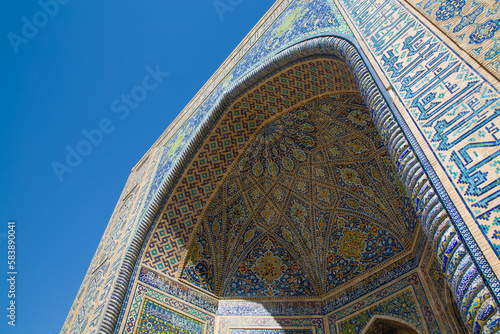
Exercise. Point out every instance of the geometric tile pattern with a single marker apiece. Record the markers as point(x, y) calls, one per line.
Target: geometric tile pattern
point(473, 25)
point(298, 20)
point(270, 331)
point(310, 204)
point(283, 90)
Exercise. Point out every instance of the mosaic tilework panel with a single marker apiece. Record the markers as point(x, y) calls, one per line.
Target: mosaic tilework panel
point(178, 290)
point(269, 308)
point(88, 308)
point(454, 108)
point(312, 324)
point(472, 24)
point(137, 317)
point(402, 306)
point(398, 299)
point(300, 82)
point(199, 269)
point(300, 20)
point(378, 279)
point(312, 199)
point(155, 318)
point(269, 270)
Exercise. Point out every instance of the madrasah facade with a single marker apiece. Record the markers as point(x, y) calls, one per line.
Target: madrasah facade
point(339, 173)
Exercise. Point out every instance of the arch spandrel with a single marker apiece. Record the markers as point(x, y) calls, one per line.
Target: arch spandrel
point(290, 87)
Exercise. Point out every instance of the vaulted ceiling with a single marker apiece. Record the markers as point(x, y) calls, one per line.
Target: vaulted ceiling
point(291, 194)
point(311, 203)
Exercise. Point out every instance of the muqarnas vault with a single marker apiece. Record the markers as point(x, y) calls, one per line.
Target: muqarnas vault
point(339, 173)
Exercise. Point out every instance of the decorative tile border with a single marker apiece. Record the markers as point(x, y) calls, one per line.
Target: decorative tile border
point(156, 318)
point(227, 324)
point(271, 331)
point(264, 308)
point(165, 304)
point(178, 290)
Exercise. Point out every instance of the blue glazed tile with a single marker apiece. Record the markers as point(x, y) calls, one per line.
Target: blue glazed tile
point(493, 324)
point(450, 249)
point(443, 243)
point(465, 282)
point(486, 310)
point(455, 262)
point(394, 55)
point(476, 305)
point(473, 290)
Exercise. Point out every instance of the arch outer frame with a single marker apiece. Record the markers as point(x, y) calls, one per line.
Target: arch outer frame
point(386, 317)
point(453, 244)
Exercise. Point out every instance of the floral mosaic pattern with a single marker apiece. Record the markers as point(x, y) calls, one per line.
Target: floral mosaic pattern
point(199, 268)
point(355, 247)
point(312, 203)
point(471, 24)
point(269, 270)
point(198, 183)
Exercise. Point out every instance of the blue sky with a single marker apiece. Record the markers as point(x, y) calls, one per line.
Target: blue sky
point(59, 80)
